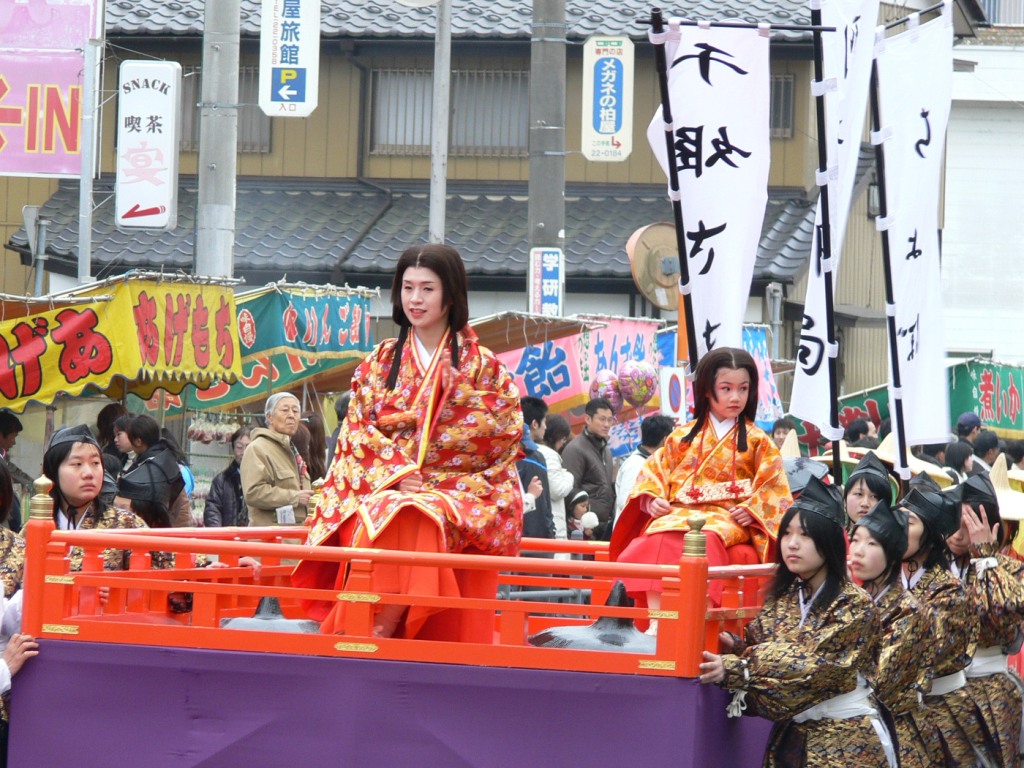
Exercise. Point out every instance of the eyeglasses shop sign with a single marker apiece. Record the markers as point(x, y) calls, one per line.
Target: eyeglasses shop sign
point(148, 129)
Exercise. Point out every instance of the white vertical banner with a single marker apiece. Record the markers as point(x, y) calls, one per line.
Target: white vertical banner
point(719, 88)
point(847, 55)
point(915, 76)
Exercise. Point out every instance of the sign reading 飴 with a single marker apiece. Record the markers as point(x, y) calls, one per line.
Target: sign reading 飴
point(148, 124)
point(289, 57)
point(607, 130)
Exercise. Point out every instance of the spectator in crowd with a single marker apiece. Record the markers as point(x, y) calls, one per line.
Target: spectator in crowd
point(225, 503)
point(301, 440)
point(579, 518)
point(1015, 454)
point(780, 429)
point(968, 426)
point(149, 444)
point(318, 458)
point(934, 453)
point(959, 460)
point(123, 443)
point(275, 491)
point(341, 411)
point(589, 459)
point(654, 430)
point(862, 433)
point(12, 546)
point(105, 430)
point(533, 472)
point(10, 428)
point(560, 479)
point(884, 428)
point(986, 451)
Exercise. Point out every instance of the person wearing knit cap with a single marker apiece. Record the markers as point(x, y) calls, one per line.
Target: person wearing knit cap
point(868, 484)
point(995, 589)
point(876, 555)
point(931, 519)
point(808, 653)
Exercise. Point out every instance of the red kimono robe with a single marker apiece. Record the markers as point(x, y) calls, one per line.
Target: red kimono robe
point(462, 438)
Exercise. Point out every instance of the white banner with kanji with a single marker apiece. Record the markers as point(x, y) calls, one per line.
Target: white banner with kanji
point(915, 74)
point(847, 56)
point(719, 90)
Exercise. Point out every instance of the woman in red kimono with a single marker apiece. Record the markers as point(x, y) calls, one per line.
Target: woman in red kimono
point(721, 466)
point(426, 457)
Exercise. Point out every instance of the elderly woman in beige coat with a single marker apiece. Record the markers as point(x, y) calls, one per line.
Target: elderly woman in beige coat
point(275, 481)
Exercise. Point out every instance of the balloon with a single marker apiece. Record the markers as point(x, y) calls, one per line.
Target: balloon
point(606, 385)
point(638, 381)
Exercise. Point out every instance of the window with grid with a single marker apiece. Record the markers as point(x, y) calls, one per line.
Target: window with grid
point(781, 115)
point(489, 112)
point(253, 124)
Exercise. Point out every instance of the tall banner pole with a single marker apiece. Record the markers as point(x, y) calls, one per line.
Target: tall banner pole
point(687, 338)
point(824, 255)
point(883, 213)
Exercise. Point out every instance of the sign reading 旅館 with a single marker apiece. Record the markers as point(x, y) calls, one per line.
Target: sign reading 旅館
point(289, 57)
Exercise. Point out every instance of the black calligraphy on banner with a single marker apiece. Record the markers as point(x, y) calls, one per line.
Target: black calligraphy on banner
point(851, 32)
point(709, 334)
point(812, 349)
point(920, 144)
point(914, 251)
point(912, 333)
point(698, 238)
point(705, 59)
point(689, 149)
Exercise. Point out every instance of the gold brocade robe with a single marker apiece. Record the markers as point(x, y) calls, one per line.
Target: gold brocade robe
point(901, 676)
point(792, 668)
point(997, 603)
point(463, 440)
point(710, 476)
point(951, 645)
point(12, 561)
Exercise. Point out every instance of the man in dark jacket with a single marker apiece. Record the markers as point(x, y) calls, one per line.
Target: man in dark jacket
point(589, 460)
point(533, 473)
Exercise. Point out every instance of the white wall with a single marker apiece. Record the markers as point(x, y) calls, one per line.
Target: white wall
point(983, 240)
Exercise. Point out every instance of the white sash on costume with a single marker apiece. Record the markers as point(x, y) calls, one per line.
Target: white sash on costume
point(947, 684)
point(856, 703)
point(992, 661)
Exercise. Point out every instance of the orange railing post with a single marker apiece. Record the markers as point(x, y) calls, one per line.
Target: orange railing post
point(693, 596)
point(37, 535)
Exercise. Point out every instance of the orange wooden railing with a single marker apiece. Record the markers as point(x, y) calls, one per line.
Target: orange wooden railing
point(68, 605)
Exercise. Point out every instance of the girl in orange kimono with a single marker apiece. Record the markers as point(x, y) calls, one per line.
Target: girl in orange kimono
point(720, 466)
point(426, 457)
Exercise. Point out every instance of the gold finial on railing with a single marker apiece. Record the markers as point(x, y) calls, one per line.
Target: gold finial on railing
point(314, 500)
point(41, 506)
point(694, 542)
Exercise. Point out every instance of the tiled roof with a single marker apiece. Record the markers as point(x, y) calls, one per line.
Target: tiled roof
point(292, 228)
point(510, 19)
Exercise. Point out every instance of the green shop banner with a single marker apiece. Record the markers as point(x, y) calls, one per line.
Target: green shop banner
point(287, 335)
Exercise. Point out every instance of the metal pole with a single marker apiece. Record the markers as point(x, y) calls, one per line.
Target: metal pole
point(92, 57)
point(439, 121)
point(825, 249)
point(546, 196)
point(41, 225)
point(218, 140)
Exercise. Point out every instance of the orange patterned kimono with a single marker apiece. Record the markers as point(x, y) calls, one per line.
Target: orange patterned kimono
point(463, 439)
point(710, 476)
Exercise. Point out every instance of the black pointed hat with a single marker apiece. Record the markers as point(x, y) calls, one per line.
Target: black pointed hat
point(800, 470)
point(886, 525)
point(978, 489)
point(938, 511)
point(79, 434)
point(924, 482)
point(872, 465)
point(824, 500)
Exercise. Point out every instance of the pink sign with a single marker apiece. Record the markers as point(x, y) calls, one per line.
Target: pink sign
point(42, 60)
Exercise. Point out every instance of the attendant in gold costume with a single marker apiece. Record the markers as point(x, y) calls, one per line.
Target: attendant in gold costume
point(12, 546)
point(876, 555)
point(810, 650)
point(932, 517)
point(426, 456)
point(720, 465)
point(995, 591)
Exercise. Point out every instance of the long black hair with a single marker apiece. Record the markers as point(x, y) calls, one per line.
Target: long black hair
point(55, 456)
point(704, 387)
point(830, 542)
point(445, 262)
point(881, 489)
point(933, 544)
point(893, 556)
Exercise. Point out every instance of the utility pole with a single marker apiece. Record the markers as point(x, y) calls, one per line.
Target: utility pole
point(218, 140)
point(439, 122)
point(546, 207)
